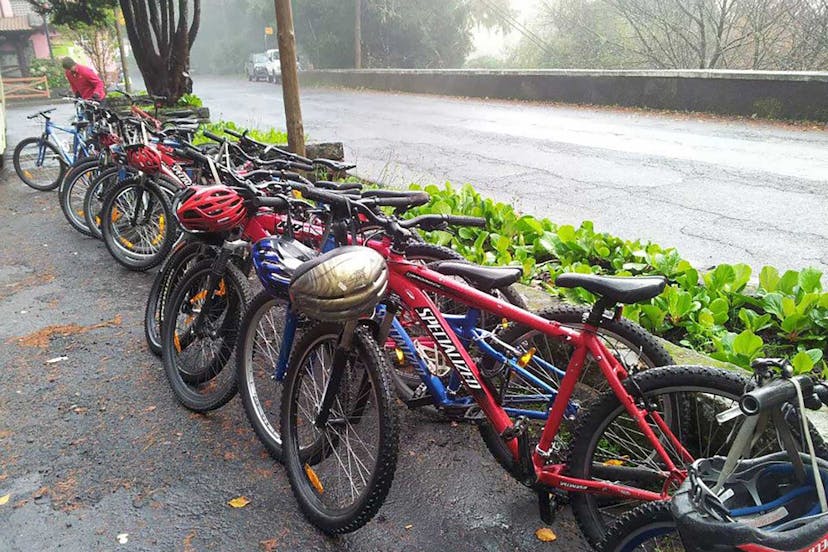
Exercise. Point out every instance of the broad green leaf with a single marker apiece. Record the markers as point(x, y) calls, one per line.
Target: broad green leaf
point(747, 344)
point(768, 278)
point(809, 280)
point(802, 362)
point(772, 303)
point(706, 318)
point(566, 233)
point(788, 282)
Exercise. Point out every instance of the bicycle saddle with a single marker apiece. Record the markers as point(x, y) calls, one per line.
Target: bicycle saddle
point(617, 288)
point(485, 278)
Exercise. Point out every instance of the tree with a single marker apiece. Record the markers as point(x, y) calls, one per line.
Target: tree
point(98, 42)
point(683, 34)
point(161, 33)
point(395, 33)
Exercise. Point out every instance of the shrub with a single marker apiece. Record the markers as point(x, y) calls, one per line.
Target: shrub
point(716, 312)
point(52, 70)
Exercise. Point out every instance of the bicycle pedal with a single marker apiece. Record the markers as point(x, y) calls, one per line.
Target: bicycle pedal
point(419, 402)
point(516, 429)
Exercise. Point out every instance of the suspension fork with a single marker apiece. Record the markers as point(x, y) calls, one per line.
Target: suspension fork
point(217, 272)
point(341, 356)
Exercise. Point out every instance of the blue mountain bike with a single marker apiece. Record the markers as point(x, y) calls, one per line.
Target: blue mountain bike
point(41, 161)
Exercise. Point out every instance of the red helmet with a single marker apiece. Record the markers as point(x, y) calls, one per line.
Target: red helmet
point(144, 158)
point(211, 209)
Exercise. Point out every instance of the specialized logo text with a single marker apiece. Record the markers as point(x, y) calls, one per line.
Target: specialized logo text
point(449, 350)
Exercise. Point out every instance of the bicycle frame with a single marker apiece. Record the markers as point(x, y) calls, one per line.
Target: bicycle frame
point(79, 145)
point(407, 279)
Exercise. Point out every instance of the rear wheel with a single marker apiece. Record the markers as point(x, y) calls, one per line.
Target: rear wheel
point(197, 347)
point(340, 474)
point(39, 164)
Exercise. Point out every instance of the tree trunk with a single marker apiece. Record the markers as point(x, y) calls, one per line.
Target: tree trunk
point(290, 77)
point(121, 50)
point(161, 45)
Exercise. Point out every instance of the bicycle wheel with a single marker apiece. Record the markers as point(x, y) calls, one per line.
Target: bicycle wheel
point(72, 193)
point(93, 199)
point(182, 257)
point(39, 164)
point(631, 344)
point(407, 382)
point(137, 224)
point(339, 474)
point(197, 355)
point(259, 345)
point(608, 445)
point(648, 528)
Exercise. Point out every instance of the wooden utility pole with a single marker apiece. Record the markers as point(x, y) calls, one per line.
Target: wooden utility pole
point(358, 35)
point(121, 50)
point(290, 77)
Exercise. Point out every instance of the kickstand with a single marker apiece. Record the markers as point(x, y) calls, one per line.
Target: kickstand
point(547, 506)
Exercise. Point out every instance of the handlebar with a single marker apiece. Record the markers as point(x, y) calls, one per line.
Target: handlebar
point(439, 222)
point(775, 393)
point(41, 113)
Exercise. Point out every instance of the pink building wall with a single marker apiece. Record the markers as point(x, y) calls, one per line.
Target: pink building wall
point(40, 44)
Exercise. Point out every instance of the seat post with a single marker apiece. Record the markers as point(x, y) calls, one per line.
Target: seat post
point(597, 313)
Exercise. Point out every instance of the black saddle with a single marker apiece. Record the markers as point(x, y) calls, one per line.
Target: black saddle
point(616, 288)
point(485, 278)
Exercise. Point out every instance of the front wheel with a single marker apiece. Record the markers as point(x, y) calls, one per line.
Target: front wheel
point(72, 193)
point(648, 527)
point(39, 164)
point(341, 473)
point(257, 359)
point(610, 446)
point(199, 336)
point(138, 224)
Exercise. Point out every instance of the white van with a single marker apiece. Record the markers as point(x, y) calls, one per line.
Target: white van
point(274, 68)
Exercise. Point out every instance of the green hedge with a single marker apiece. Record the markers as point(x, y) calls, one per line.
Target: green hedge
point(717, 313)
point(267, 136)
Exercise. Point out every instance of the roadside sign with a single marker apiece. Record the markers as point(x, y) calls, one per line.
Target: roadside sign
point(268, 30)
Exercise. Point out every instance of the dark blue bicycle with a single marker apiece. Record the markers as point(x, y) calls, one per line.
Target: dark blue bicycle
point(42, 161)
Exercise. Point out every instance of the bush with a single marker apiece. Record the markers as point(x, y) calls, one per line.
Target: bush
point(269, 136)
point(52, 70)
point(715, 313)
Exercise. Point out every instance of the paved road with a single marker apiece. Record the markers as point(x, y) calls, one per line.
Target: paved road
point(94, 446)
point(719, 191)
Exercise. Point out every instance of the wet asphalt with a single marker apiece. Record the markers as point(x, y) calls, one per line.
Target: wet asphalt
point(718, 189)
point(94, 450)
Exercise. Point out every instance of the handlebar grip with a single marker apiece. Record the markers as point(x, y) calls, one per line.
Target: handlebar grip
point(457, 220)
point(214, 137)
point(774, 394)
point(276, 202)
point(232, 132)
point(315, 194)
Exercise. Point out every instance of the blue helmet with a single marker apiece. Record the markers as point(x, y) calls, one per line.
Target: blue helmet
point(275, 259)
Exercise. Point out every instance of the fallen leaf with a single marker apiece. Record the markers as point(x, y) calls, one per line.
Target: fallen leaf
point(188, 542)
point(123, 538)
point(57, 359)
point(4, 499)
point(41, 492)
point(150, 408)
point(239, 502)
point(409, 526)
point(545, 534)
point(614, 462)
point(270, 545)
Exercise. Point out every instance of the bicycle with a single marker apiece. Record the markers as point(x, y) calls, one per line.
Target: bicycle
point(42, 161)
point(660, 406)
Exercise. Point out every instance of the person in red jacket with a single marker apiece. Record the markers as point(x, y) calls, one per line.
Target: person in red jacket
point(85, 83)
